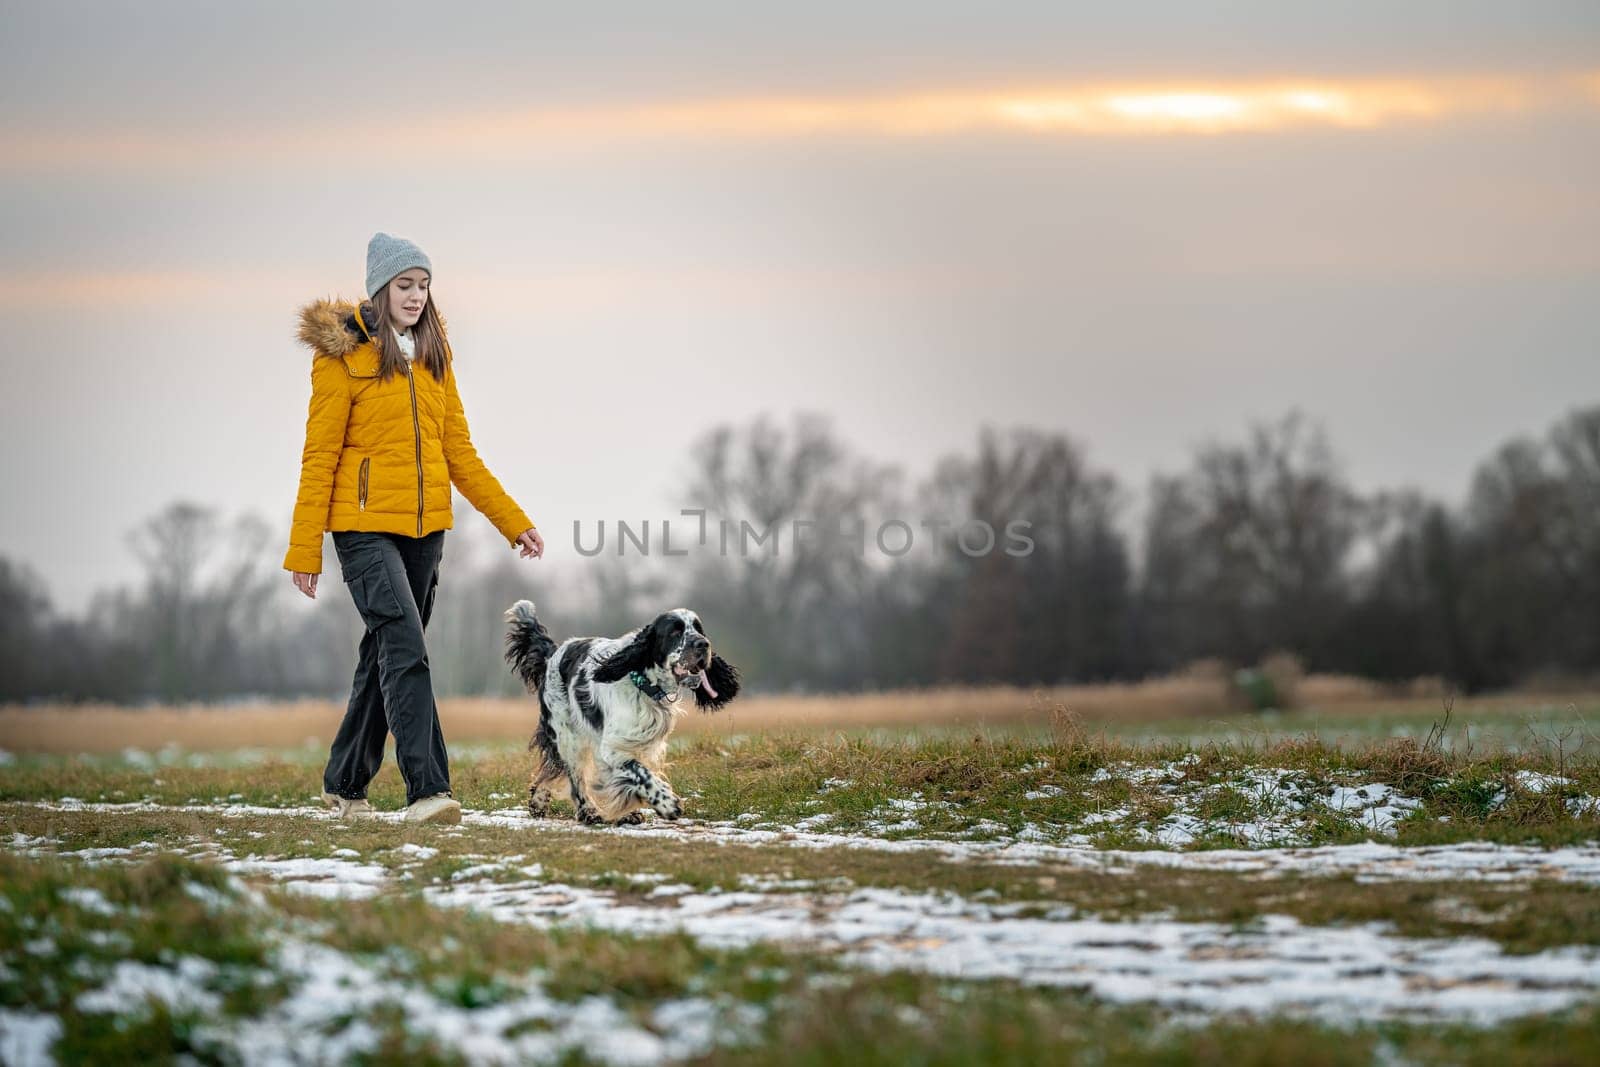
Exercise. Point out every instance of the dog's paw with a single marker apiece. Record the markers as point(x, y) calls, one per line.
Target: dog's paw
point(669, 807)
point(633, 818)
point(539, 804)
point(587, 816)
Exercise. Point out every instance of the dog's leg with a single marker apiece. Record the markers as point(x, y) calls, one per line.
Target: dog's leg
point(586, 813)
point(638, 781)
point(616, 795)
point(548, 766)
point(539, 792)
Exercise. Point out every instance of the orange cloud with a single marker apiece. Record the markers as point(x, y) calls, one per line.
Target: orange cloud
point(1101, 110)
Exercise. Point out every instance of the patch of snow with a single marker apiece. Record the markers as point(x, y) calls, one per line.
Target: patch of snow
point(1534, 782)
point(133, 984)
point(1377, 807)
point(1581, 806)
point(26, 1038)
point(878, 820)
point(477, 870)
point(322, 1019)
point(766, 883)
point(114, 940)
point(100, 855)
point(89, 899)
point(30, 845)
point(1337, 974)
point(213, 898)
point(328, 878)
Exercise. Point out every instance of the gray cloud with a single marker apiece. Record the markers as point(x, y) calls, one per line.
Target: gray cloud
point(1426, 290)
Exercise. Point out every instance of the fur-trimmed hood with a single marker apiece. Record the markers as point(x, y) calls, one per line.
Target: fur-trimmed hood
point(333, 327)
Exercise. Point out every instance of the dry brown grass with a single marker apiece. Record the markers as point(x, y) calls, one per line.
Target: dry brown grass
point(96, 728)
point(1201, 691)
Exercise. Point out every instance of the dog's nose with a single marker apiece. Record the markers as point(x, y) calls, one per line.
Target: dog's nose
point(699, 643)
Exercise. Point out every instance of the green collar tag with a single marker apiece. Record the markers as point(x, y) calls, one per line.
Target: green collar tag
point(649, 688)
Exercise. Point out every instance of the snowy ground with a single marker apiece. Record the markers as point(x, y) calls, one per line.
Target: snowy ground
point(892, 913)
point(1275, 964)
point(1470, 861)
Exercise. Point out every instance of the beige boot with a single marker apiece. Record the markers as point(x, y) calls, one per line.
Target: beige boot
point(440, 807)
point(346, 808)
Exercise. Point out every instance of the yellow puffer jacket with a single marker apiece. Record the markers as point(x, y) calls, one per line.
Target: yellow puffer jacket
point(381, 456)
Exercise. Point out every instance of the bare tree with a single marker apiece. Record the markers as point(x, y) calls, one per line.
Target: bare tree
point(1249, 550)
point(799, 600)
point(1040, 573)
point(24, 617)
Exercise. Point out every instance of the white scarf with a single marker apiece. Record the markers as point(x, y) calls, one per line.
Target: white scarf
point(408, 344)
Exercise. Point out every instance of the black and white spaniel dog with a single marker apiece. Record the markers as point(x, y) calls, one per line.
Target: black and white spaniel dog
point(606, 707)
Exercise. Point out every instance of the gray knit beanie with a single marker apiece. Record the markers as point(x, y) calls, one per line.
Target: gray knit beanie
point(388, 256)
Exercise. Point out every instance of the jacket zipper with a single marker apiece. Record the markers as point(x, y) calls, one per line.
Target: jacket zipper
point(363, 494)
point(416, 428)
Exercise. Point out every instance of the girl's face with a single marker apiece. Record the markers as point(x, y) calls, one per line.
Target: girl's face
point(408, 295)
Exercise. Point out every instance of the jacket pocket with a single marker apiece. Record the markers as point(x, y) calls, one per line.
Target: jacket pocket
point(361, 484)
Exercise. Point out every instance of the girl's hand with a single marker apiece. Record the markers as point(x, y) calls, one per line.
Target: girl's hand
point(306, 583)
point(532, 544)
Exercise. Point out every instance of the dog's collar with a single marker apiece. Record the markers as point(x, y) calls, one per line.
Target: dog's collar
point(651, 689)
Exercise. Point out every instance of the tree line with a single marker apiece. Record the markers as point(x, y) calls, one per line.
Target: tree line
point(1260, 545)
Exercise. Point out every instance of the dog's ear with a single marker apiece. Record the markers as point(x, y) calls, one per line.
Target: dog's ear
point(633, 656)
point(724, 678)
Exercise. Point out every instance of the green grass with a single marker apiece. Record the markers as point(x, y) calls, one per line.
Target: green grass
point(1535, 729)
point(977, 784)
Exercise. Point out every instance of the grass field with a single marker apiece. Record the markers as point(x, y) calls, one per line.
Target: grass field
point(1010, 890)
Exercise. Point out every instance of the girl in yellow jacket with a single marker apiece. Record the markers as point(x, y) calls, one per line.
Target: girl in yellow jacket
point(386, 437)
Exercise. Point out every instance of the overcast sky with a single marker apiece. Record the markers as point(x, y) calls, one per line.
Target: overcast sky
point(1144, 227)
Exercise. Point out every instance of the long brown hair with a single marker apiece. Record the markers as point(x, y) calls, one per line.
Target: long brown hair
point(428, 333)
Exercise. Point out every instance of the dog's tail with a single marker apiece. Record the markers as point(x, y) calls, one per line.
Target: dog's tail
point(528, 644)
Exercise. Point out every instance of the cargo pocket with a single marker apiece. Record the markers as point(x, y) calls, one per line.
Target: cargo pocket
point(374, 595)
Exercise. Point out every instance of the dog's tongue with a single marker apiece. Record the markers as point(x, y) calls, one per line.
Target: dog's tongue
point(705, 683)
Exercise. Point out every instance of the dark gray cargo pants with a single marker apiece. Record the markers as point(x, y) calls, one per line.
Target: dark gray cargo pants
point(392, 578)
